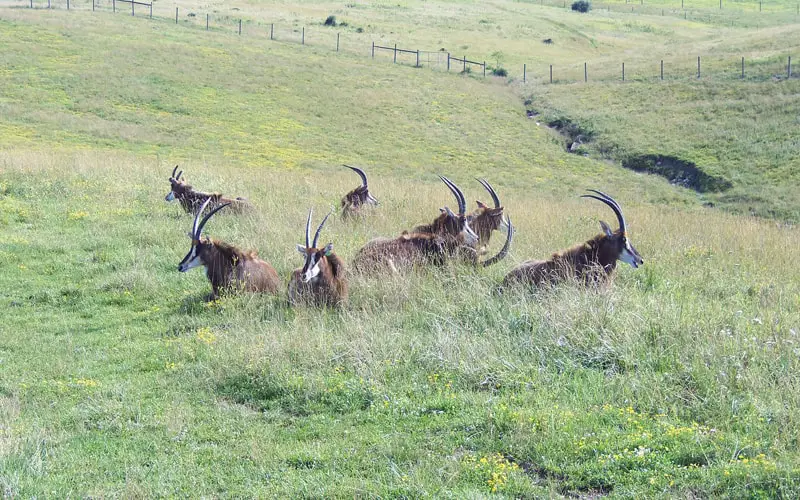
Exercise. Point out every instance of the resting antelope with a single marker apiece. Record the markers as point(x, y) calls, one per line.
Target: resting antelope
point(486, 219)
point(354, 201)
point(590, 262)
point(227, 267)
point(191, 200)
point(449, 236)
point(321, 281)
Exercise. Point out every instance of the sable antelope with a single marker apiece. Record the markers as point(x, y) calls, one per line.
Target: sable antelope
point(227, 267)
point(354, 201)
point(590, 262)
point(449, 225)
point(411, 250)
point(321, 281)
point(191, 200)
point(486, 219)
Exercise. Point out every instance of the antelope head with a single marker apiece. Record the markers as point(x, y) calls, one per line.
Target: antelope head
point(197, 255)
point(177, 185)
point(488, 218)
point(616, 242)
point(312, 254)
point(361, 194)
point(458, 224)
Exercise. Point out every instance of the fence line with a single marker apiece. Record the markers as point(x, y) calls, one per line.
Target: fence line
point(557, 74)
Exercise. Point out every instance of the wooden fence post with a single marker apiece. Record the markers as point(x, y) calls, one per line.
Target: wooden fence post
point(303, 36)
point(206, 20)
point(742, 66)
point(484, 69)
point(551, 73)
point(32, 4)
point(113, 5)
point(585, 73)
point(67, 4)
point(524, 73)
point(698, 66)
point(240, 26)
point(395, 54)
point(337, 42)
point(448, 61)
point(271, 30)
point(48, 4)
point(133, 8)
point(176, 15)
point(92, 5)
point(417, 58)
point(789, 70)
point(465, 63)
point(151, 9)
point(623, 72)
point(662, 69)
point(373, 50)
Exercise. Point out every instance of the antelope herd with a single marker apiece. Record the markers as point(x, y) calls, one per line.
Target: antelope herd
point(451, 237)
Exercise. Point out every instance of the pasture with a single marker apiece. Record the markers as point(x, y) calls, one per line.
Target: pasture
point(117, 379)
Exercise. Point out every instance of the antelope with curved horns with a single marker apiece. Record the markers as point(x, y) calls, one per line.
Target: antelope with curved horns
point(486, 219)
point(354, 201)
point(321, 281)
point(449, 225)
point(191, 200)
point(590, 262)
point(227, 267)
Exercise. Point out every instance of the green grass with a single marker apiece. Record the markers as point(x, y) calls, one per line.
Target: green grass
point(117, 379)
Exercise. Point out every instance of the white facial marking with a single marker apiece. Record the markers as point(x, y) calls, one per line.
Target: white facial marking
point(628, 256)
point(170, 196)
point(311, 273)
point(194, 261)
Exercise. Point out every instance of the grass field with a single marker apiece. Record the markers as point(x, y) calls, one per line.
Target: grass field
point(117, 379)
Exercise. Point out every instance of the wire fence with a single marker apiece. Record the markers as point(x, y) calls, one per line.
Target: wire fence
point(773, 67)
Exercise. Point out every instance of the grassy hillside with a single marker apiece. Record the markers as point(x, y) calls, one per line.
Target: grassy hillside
point(117, 379)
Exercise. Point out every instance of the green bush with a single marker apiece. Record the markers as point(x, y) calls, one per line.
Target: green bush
point(581, 6)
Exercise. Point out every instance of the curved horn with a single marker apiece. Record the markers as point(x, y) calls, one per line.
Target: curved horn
point(611, 203)
point(173, 172)
point(489, 188)
point(360, 174)
point(462, 202)
point(207, 217)
point(308, 228)
point(503, 251)
point(179, 175)
point(319, 229)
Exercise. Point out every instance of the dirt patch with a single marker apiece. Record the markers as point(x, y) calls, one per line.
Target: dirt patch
point(574, 134)
point(679, 172)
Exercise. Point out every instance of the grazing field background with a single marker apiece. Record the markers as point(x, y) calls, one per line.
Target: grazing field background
point(117, 379)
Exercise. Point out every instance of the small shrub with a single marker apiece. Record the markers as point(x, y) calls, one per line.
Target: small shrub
point(499, 72)
point(581, 6)
point(330, 21)
point(359, 30)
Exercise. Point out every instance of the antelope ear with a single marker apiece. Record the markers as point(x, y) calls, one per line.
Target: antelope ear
point(328, 250)
point(606, 229)
point(301, 248)
point(481, 204)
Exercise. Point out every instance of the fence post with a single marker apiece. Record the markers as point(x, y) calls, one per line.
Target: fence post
point(67, 4)
point(373, 50)
point(484, 69)
point(789, 70)
point(240, 26)
point(524, 73)
point(681, 4)
point(742, 66)
point(448, 61)
point(151, 9)
point(176, 15)
point(32, 3)
point(303, 36)
point(465, 63)
point(271, 30)
point(623, 72)
point(113, 5)
point(417, 58)
point(206, 18)
point(551, 73)
point(759, 5)
point(133, 8)
point(93, 5)
point(698, 66)
point(48, 4)
point(720, 4)
point(395, 53)
point(337, 42)
point(585, 73)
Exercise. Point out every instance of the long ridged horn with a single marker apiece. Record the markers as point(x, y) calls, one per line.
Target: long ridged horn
point(319, 229)
point(503, 251)
point(360, 174)
point(611, 203)
point(173, 172)
point(489, 188)
point(179, 175)
point(462, 201)
point(308, 228)
point(199, 227)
